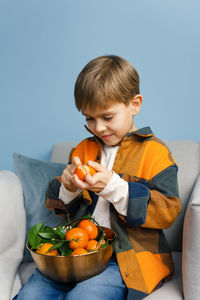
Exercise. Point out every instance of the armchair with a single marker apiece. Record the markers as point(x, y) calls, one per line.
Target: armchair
point(183, 236)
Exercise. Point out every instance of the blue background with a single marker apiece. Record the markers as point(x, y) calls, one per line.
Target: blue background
point(44, 44)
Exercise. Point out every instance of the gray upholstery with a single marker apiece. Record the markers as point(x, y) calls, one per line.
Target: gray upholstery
point(191, 246)
point(187, 156)
point(60, 152)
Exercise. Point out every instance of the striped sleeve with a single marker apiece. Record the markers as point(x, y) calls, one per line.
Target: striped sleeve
point(153, 197)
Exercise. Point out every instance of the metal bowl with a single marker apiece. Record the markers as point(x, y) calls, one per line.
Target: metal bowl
point(72, 269)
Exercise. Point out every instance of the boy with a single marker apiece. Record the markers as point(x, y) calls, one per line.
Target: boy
point(134, 190)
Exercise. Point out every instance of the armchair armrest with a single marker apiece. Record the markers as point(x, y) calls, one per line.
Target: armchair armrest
point(12, 233)
point(191, 246)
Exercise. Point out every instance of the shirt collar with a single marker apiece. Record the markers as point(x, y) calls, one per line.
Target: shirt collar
point(143, 132)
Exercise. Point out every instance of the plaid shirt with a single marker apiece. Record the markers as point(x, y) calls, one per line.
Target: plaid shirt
point(142, 252)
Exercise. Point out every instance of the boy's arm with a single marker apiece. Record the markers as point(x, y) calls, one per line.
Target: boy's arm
point(67, 196)
point(56, 204)
point(164, 205)
point(154, 203)
point(52, 200)
point(57, 196)
point(117, 192)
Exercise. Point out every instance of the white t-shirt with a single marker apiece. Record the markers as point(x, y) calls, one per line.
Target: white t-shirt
point(115, 192)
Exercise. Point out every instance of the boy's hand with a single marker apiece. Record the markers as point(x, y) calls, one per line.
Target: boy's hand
point(95, 183)
point(68, 175)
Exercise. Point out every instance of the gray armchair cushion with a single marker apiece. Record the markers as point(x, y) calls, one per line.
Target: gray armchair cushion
point(191, 247)
point(60, 152)
point(187, 156)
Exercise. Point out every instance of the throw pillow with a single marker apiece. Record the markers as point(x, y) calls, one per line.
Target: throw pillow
point(35, 176)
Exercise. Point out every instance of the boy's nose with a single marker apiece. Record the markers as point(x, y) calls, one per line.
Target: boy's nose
point(99, 126)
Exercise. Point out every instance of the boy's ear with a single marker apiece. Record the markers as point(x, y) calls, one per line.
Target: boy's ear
point(136, 103)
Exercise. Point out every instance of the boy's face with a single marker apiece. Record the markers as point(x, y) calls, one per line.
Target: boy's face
point(113, 123)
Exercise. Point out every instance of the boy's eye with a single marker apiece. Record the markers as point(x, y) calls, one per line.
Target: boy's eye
point(107, 118)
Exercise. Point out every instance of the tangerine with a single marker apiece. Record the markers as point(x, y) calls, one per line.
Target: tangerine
point(82, 170)
point(93, 245)
point(78, 236)
point(90, 227)
point(79, 251)
point(44, 250)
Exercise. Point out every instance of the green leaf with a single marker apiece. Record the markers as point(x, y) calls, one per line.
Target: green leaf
point(33, 238)
point(60, 232)
point(104, 245)
point(57, 245)
point(43, 240)
point(46, 232)
point(65, 252)
point(88, 216)
point(46, 235)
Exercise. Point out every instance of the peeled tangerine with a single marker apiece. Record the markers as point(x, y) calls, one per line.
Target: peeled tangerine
point(82, 170)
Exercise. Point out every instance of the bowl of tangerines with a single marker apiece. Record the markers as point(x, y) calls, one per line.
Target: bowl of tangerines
point(71, 253)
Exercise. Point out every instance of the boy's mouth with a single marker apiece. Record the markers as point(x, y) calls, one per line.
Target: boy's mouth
point(105, 137)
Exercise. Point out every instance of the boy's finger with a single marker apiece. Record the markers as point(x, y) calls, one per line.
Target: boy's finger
point(71, 168)
point(79, 183)
point(93, 179)
point(65, 173)
point(95, 165)
point(77, 161)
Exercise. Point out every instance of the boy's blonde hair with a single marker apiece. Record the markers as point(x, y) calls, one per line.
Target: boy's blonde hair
point(106, 80)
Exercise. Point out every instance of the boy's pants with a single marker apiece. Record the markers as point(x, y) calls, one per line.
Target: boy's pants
point(108, 285)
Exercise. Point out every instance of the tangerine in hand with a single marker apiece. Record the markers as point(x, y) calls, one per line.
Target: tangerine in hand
point(82, 170)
